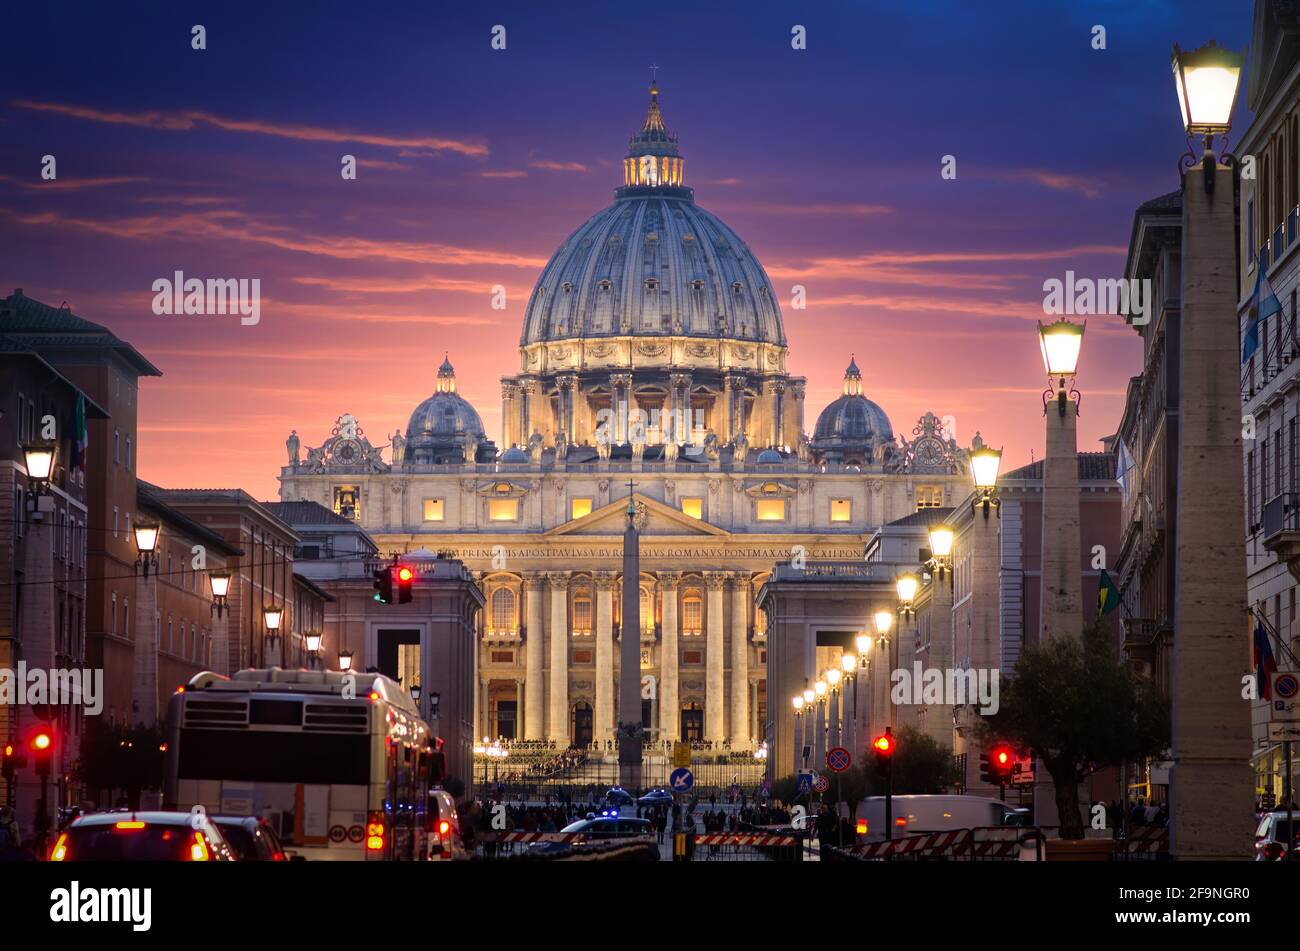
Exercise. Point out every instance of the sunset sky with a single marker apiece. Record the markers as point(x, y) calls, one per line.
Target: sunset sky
point(475, 165)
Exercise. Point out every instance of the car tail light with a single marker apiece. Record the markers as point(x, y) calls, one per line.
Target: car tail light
point(862, 827)
point(444, 827)
point(129, 826)
point(60, 850)
point(375, 832)
point(199, 849)
point(900, 822)
point(1274, 851)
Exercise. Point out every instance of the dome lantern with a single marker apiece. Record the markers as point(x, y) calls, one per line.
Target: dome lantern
point(652, 164)
point(446, 376)
point(852, 378)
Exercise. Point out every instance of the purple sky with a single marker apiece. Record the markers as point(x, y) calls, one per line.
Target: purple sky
point(475, 165)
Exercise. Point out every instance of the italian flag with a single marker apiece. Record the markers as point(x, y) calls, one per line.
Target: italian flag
point(79, 434)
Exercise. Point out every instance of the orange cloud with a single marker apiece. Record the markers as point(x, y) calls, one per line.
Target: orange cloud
point(559, 166)
point(189, 119)
point(76, 184)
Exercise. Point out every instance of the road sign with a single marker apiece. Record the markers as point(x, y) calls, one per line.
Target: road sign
point(805, 781)
point(681, 779)
point(1280, 732)
point(821, 784)
point(681, 754)
point(1286, 697)
point(838, 759)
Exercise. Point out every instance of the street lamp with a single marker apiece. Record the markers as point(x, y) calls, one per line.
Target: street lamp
point(984, 465)
point(820, 688)
point(345, 661)
point(941, 537)
point(809, 696)
point(220, 582)
point(863, 641)
point(907, 585)
point(39, 457)
point(1207, 81)
point(1060, 342)
point(272, 614)
point(848, 664)
point(313, 639)
point(146, 543)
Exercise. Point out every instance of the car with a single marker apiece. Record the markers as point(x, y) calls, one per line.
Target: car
point(598, 829)
point(444, 825)
point(142, 837)
point(618, 796)
point(251, 839)
point(1272, 833)
point(656, 797)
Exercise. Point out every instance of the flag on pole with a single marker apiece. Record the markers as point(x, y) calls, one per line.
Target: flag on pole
point(1123, 466)
point(1107, 594)
point(1265, 664)
point(1264, 304)
point(79, 434)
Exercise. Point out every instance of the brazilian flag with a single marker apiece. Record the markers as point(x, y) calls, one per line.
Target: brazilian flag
point(1107, 594)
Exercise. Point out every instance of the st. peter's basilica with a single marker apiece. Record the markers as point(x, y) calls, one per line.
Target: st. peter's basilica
point(653, 360)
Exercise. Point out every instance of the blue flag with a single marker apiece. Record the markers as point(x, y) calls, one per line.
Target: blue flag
point(1264, 304)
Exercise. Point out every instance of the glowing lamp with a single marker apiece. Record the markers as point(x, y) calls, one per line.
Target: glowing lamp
point(1207, 80)
point(984, 465)
point(1060, 342)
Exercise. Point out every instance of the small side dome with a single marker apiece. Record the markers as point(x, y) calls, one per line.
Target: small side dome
point(443, 425)
point(849, 429)
point(514, 455)
point(769, 457)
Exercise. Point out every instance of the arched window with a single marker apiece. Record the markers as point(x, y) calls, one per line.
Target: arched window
point(692, 613)
point(647, 611)
point(503, 611)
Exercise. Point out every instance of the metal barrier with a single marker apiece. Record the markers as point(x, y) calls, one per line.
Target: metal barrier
point(988, 843)
point(750, 846)
point(1143, 843)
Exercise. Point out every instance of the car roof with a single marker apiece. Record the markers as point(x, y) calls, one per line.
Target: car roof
point(151, 818)
point(238, 820)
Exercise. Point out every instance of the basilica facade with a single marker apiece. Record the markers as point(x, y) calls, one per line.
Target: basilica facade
point(652, 363)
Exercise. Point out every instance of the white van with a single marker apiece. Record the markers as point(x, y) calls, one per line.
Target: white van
point(913, 815)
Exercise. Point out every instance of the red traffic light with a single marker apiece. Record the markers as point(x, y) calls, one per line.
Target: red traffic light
point(883, 743)
point(404, 573)
point(8, 750)
point(42, 741)
point(1002, 757)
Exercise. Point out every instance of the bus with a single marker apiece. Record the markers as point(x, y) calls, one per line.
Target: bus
point(340, 764)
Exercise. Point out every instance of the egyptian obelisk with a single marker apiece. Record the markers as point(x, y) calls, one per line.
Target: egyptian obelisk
point(629, 679)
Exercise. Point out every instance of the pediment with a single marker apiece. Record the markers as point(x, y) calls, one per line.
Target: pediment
point(658, 519)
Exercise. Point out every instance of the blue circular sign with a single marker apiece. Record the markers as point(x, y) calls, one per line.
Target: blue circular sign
point(681, 779)
point(1287, 686)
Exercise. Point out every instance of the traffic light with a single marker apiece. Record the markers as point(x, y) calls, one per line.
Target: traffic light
point(1001, 762)
point(405, 579)
point(42, 746)
point(883, 748)
point(384, 585)
point(10, 761)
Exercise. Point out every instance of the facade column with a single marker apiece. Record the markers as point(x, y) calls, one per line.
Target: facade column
point(534, 708)
point(739, 733)
point(669, 713)
point(603, 722)
point(819, 736)
point(557, 726)
point(714, 649)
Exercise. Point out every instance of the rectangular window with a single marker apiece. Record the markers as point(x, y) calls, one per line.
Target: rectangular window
point(1250, 490)
point(503, 657)
point(433, 510)
point(117, 445)
point(769, 510)
point(692, 657)
point(503, 510)
point(579, 507)
point(582, 656)
point(693, 507)
point(929, 497)
point(841, 510)
point(1263, 471)
point(581, 616)
point(115, 521)
point(128, 453)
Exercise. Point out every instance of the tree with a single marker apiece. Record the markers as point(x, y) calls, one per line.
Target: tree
point(117, 757)
point(921, 764)
point(1078, 708)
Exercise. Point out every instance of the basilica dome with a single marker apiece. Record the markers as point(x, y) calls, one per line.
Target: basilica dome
point(850, 428)
point(653, 263)
point(444, 424)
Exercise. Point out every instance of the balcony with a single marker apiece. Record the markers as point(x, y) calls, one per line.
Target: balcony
point(1278, 245)
point(1263, 256)
point(1291, 225)
point(1141, 637)
point(1281, 529)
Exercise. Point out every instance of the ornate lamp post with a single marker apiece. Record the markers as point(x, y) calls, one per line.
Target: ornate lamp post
point(797, 701)
point(38, 456)
point(1211, 725)
point(820, 690)
point(984, 464)
point(849, 669)
point(147, 531)
point(833, 676)
point(313, 641)
point(345, 661)
point(145, 650)
point(272, 614)
point(941, 537)
point(907, 585)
